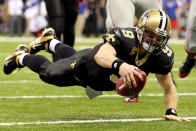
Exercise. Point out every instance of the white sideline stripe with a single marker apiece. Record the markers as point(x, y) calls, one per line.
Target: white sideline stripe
point(86, 121)
point(73, 96)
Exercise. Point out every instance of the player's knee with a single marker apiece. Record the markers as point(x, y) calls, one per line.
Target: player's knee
point(52, 75)
point(55, 74)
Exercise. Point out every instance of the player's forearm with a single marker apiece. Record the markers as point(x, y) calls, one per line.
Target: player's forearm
point(105, 56)
point(171, 95)
point(105, 59)
point(171, 98)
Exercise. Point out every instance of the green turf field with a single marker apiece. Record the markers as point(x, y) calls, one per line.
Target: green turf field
point(27, 103)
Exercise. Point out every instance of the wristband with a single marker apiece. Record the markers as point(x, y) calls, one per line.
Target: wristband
point(171, 111)
point(116, 64)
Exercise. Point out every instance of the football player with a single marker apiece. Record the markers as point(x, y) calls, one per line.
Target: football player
point(124, 50)
point(124, 14)
point(190, 43)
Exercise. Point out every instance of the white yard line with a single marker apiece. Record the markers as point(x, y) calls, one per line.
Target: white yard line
point(86, 121)
point(38, 81)
point(76, 96)
point(19, 81)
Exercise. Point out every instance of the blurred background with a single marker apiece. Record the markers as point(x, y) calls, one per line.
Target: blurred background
point(27, 18)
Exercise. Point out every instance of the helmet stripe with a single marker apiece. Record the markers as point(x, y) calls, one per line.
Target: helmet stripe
point(163, 21)
point(166, 24)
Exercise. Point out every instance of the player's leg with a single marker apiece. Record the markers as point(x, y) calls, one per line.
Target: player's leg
point(60, 50)
point(48, 42)
point(71, 13)
point(58, 73)
point(56, 15)
point(142, 5)
point(120, 13)
point(21, 58)
point(42, 42)
point(190, 44)
point(11, 62)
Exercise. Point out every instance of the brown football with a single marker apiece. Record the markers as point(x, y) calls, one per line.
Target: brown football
point(128, 90)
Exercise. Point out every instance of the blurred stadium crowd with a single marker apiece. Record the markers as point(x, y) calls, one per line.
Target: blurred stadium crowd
point(29, 17)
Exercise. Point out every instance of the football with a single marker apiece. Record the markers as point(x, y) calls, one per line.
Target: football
point(128, 90)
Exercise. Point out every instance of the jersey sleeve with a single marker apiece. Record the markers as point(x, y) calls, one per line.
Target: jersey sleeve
point(114, 38)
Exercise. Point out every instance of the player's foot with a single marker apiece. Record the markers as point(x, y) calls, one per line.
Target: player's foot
point(42, 43)
point(12, 61)
point(186, 67)
point(130, 100)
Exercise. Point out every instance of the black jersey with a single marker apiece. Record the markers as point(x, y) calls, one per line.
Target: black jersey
point(125, 42)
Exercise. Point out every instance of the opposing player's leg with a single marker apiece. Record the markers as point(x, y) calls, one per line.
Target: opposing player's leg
point(190, 44)
point(71, 13)
point(142, 5)
point(186, 67)
point(120, 13)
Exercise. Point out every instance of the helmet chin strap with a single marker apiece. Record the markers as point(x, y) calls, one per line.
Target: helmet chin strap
point(139, 34)
point(141, 61)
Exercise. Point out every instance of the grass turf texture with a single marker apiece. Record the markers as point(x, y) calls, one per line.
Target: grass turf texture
point(27, 83)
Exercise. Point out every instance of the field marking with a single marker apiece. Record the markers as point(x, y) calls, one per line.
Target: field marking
point(38, 81)
point(29, 71)
point(19, 81)
point(86, 121)
point(81, 40)
point(76, 96)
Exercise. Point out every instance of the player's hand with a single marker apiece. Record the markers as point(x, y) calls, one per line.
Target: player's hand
point(128, 72)
point(175, 118)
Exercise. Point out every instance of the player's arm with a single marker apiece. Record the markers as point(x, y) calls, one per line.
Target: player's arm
point(106, 57)
point(171, 97)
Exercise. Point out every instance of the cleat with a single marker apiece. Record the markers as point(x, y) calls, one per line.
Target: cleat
point(22, 48)
point(130, 100)
point(42, 43)
point(12, 61)
point(186, 67)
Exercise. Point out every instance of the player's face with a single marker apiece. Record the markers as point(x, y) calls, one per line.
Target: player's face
point(151, 41)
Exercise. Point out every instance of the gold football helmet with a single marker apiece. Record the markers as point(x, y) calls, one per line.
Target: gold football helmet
point(157, 22)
